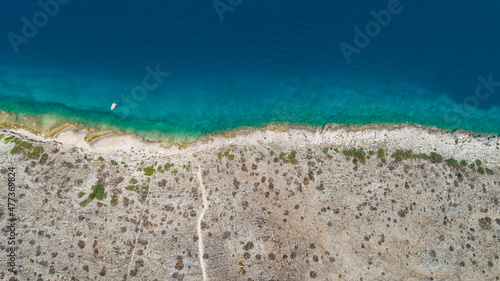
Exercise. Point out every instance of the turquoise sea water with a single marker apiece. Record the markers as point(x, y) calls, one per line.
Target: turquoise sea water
point(263, 63)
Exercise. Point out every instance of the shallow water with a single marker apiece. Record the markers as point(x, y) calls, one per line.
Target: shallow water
point(265, 62)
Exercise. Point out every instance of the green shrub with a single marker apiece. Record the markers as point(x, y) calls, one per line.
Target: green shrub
point(478, 162)
point(463, 163)
point(100, 158)
point(84, 202)
point(436, 157)
point(98, 191)
point(358, 153)
point(148, 171)
point(113, 162)
point(424, 156)
point(453, 162)
point(402, 155)
point(381, 153)
point(168, 166)
point(480, 170)
point(133, 181)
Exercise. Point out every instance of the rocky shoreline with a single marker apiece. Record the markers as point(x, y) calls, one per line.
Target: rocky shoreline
point(281, 203)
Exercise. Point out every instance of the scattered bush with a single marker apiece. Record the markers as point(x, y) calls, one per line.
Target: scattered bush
point(381, 153)
point(360, 154)
point(168, 166)
point(148, 171)
point(453, 162)
point(402, 155)
point(436, 157)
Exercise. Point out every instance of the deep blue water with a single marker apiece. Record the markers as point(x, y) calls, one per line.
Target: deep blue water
point(266, 61)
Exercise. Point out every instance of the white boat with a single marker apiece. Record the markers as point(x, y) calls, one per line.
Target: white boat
point(113, 106)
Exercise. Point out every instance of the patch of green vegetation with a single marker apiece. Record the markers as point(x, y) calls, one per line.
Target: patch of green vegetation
point(114, 163)
point(489, 171)
point(168, 166)
point(480, 170)
point(1, 136)
point(145, 187)
point(455, 183)
point(241, 153)
point(99, 204)
point(231, 156)
point(436, 157)
point(133, 181)
point(472, 166)
point(187, 166)
point(149, 171)
point(130, 187)
point(403, 155)
point(100, 158)
point(325, 151)
point(381, 153)
point(289, 158)
point(478, 162)
point(463, 163)
point(81, 194)
point(113, 202)
point(359, 154)
point(336, 150)
point(271, 153)
point(9, 139)
point(219, 156)
point(84, 202)
point(453, 162)
point(98, 191)
point(31, 151)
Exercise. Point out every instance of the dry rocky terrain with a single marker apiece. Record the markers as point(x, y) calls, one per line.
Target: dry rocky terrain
point(269, 212)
